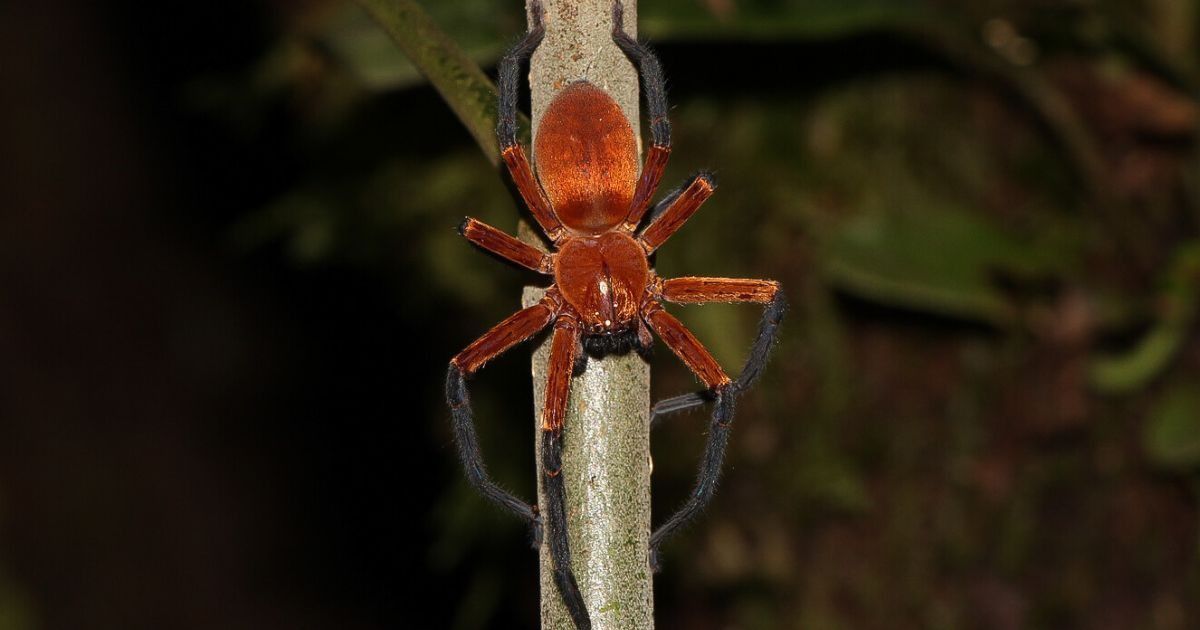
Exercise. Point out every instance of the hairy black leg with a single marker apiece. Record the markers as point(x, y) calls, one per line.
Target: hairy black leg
point(581, 363)
point(556, 529)
point(768, 328)
point(472, 459)
point(676, 404)
point(722, 419)
point(653, 83)
point(706, 477)
point(510, 76)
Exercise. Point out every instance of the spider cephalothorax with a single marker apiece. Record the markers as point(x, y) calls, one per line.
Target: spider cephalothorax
point(590, 200)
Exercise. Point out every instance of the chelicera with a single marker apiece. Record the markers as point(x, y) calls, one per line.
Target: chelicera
point(591, 202)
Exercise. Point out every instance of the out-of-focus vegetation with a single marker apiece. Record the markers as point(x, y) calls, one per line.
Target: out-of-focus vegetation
point(984, 412)
point(985, 408)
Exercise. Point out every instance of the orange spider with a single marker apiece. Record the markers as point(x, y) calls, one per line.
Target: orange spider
point(589, 200)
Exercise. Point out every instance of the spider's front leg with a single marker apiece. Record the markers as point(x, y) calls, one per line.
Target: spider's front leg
point(508, 333)
point(506, 129)
point(564, 348)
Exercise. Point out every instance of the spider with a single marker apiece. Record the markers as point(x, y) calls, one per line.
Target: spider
point(589, 200)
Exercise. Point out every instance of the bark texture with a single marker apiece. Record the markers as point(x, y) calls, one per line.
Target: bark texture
point(606, 438)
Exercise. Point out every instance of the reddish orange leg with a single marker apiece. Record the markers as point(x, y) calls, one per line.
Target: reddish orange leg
point(563, 350)
point(652, 172)
point(508, 333)
point(693, 290)
point(730, 290)
point(531, 191)
point(678, 212)
point(519, 326)
point(505, 246)
point(684, 344)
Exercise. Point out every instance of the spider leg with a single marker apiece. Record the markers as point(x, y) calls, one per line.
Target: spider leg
point(505, 246)
point(654, 87)
point(685, 345)
point(692, 290)
point(666, 201)
point(698, 290)
point(707, 475)
point(506, 128)
point(706, 290)
point(677, 211)
point(675, 404)
point(564, 348)
point(508, 333)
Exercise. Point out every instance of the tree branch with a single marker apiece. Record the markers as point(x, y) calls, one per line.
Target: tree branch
point(606, 450)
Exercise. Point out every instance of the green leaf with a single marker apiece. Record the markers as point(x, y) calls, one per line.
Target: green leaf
point(1129, 372)
point(934, 260)
point(1172, 435)
point(1124, 373)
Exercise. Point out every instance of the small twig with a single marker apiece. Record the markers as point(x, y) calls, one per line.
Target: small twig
point(606, 437)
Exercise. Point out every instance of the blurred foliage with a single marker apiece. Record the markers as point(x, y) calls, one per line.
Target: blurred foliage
point(1177, 313)
point(1173, 431)
point(986, 214)
point(460, 82)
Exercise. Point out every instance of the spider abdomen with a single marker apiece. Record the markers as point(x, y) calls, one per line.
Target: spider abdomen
point(587, 159)
point(603, 278)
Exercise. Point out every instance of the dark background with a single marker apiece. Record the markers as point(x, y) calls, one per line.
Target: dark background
point(229, 285)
